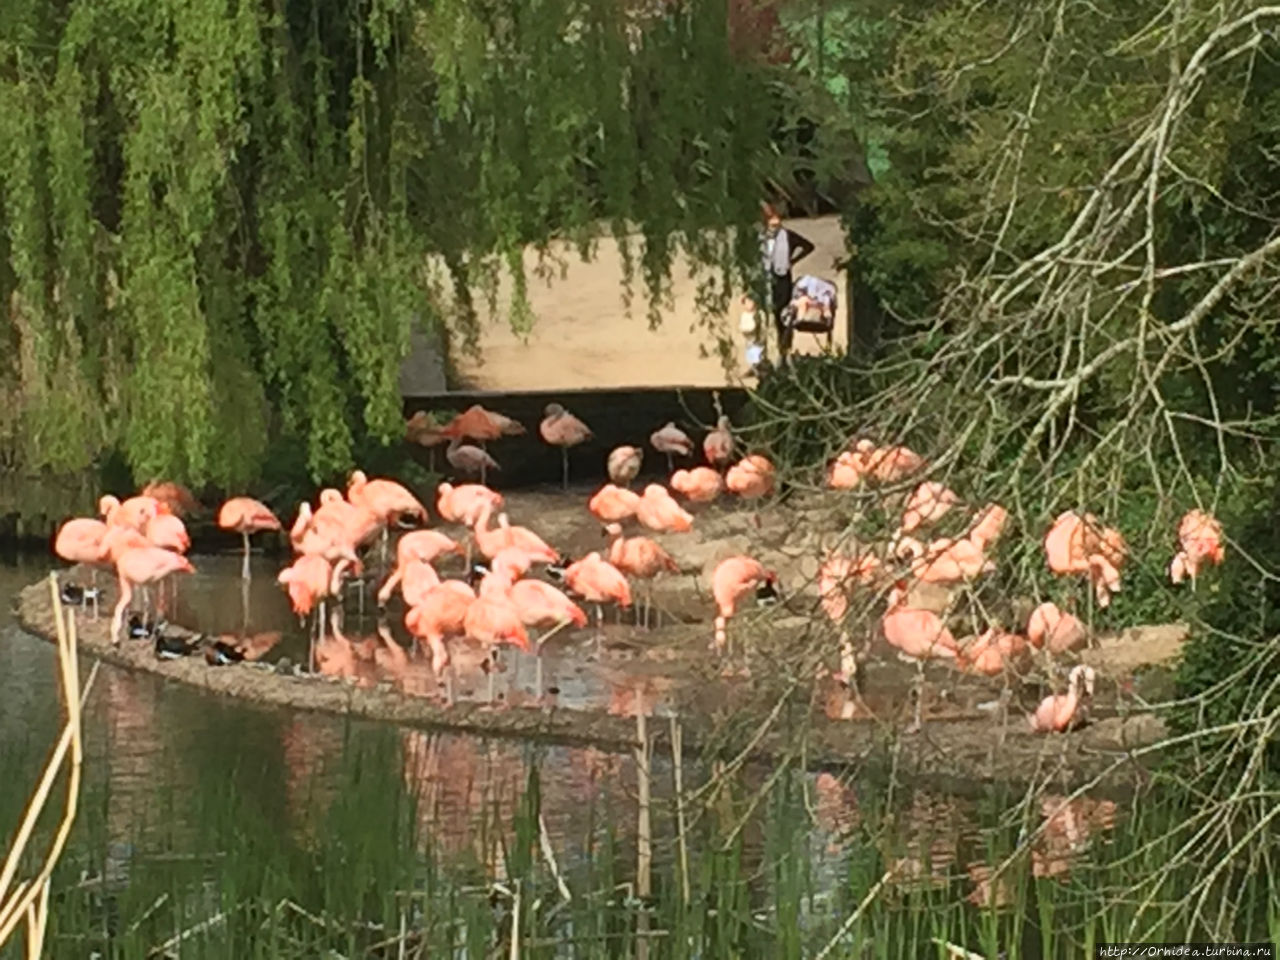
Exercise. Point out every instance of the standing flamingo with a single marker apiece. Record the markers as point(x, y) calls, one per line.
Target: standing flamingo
point(542, 606)
point(470, 460)
point(835, 578)
point(919, 635)
point(598, 581)
point(81, 541)
point(733, 578)
point(138, 567)
point(718, 444)
point(440, 614)
point(246, 516)
point(422, 430)
point(562, 429)
point(672, 441)
point(1200, 537)
point(639, 557)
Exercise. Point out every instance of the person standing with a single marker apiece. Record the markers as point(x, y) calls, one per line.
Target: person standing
point(781, 249)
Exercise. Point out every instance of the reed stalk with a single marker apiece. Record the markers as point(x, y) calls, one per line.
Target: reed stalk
point(29, 899)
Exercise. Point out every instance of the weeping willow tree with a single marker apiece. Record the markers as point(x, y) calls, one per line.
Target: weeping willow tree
point(217, 216)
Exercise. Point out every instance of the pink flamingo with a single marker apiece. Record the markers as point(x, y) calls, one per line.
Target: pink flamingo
point(751, 478)
point(846, 472)
point(613, 504)
point(387, 500)
point(562, 429)
point(1050, 627)
point(138, 567)
point(718, 444)
point(468, 459)
point(698, 485)
point(1058, 712)
point(639, 557)
point(928, 503)
point(598, 581)
point(417, 546)
point(414, 578)
point(623, 465)
point(659, 511)
point(81, 541)
point(836, 575)
point(672, 441)
point(732, 579)
point(134, 512)
point(246, 517)
point(490, 542)
point(919, 635)
point(1077, 544)
point(440, 613)
point(543, 607)
point(1200, 537)
point(177, 499)
point(493, 620)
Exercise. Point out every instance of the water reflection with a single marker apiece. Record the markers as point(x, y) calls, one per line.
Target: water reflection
point(156, 750)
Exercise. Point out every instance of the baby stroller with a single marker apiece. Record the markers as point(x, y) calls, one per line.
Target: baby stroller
point(812, 309)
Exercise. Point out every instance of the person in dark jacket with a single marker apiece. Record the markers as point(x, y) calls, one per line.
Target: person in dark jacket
point(781, 249)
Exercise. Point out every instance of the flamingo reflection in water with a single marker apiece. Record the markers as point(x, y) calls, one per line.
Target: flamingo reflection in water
point(1068, 831)
point(458, 781)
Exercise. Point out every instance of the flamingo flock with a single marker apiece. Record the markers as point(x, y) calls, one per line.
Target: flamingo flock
point(1075, 545)
point(522, 583)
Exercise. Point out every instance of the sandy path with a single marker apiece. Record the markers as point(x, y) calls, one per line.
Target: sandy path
point(583, 337)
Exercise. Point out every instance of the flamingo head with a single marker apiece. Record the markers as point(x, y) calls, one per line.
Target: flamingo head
point(553, 410)
point(611, 530)
point(1082, 676)
point(357, 479)
point(106, 504)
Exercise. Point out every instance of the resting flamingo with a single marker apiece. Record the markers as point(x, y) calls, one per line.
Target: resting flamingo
point(672, 441)
point(623, 465)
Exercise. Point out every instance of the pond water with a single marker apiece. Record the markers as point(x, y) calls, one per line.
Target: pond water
point(210, 827)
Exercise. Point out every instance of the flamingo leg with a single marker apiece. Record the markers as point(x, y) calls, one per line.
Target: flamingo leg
point(599, 630)
point(493, 669)
point(244, 568)
point(386, 537)
point(564, 456)
point(671, 464)
point(117, 617)
point(93, 585)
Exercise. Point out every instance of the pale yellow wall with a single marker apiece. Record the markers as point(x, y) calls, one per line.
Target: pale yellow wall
point(583, 338)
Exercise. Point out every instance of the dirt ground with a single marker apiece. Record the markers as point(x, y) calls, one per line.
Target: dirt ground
point(583, 336)
point(670, 670)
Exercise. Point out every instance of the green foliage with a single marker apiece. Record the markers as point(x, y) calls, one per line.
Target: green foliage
point(220, 218)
